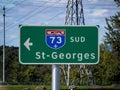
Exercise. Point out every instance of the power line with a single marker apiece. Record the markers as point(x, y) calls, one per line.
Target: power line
point(25, 16)
point(61, 12)
point(15, 4)
point(31, 14)
point(42, 10)
point(49, 19)
point(33, 10)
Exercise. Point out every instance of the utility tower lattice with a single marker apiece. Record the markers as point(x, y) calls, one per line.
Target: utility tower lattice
point(74, 13)
point(75, 16)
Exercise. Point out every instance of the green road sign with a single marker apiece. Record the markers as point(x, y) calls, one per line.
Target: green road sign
point(59, 45)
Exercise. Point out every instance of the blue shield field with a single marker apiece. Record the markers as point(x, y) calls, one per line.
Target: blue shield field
point(55, 38)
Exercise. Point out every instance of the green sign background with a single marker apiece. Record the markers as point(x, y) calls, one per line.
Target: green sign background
point(37, 35)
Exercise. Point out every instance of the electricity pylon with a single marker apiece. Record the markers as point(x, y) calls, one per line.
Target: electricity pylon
point(74, 13)
point(75, 16)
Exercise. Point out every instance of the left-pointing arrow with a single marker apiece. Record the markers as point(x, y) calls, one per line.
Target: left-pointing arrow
point(27, 44)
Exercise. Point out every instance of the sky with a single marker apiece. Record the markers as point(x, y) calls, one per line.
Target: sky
point(50, 12)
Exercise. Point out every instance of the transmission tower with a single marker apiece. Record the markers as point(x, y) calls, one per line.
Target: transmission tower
point(74, 13)
point(75, 16)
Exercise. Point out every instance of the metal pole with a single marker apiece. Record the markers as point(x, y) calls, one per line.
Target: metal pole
point(77, 12)
point(71, 13)
point(4, 44)
point(55, 77)
point(68, 74)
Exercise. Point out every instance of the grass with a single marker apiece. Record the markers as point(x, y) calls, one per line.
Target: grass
point(21, 87)
point(18, 87)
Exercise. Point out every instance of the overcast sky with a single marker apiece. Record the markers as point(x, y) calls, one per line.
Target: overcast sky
point(50, 12)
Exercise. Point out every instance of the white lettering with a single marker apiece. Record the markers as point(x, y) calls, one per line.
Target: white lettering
point(54, 55)
point(61, 55)
point(68, 56)
point(37, 55)
point(74, 54)
point(43, 55)
point(40, 55)
point(59, 40)
point(64, 56)
point(71, 39)
point(79, 56)
point(52, 39)
point(86, 56)
point(92, 55)
point(82, 39)
point(77, 39)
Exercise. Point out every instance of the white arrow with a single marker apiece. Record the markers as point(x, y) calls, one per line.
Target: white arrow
point(27, 44)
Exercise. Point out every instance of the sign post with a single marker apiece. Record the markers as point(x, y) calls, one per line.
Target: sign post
point(55, 77)
point(58, 45)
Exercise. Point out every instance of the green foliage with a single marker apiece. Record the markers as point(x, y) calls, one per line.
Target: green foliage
point(1, 57)
point(20, 87)
point(33, 87)
point(112, 41)
point(18, 73)
point(108, 69)
point(113, 32)
point(117, 2)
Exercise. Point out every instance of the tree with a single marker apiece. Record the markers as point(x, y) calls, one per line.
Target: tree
point(100, 71)
point(11, 64)
point(112, 39)
point(117, 2)
point(1, 58)
point(113, 32)
point(18, 73)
